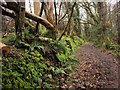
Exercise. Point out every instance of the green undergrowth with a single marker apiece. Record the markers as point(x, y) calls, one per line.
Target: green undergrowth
point(110, 46)
point(39, 64)
point(105, 40)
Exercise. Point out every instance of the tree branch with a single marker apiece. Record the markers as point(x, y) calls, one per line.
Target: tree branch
point(55, 13)
point(68, 22)
point(41, 11)
point(14, 6)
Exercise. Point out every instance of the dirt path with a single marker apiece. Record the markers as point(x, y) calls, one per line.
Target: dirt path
point(97, 68)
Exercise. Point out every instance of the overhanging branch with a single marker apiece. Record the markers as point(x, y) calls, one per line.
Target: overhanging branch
point(13, 6)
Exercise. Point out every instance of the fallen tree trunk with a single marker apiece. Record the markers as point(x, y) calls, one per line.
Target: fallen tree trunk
point(13, 15)
point(4, 12)
point(40, 20)
point(13, 6)
point(5, 49)
point(39, 39)
point(27, 23)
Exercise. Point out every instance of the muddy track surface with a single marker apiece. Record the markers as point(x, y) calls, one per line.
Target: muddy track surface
point(97, 68)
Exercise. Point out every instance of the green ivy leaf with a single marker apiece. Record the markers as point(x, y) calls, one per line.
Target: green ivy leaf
point(50, 76)
point(58, 71)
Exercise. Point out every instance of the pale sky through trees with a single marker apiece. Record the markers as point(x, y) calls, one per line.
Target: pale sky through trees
point(32, 5)
point(28, 8)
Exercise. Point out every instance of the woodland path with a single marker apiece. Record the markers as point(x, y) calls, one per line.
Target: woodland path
point(97, 68)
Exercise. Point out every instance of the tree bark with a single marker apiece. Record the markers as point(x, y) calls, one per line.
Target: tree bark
point(36, 7)
point(20, 19)
point(102, 18)
point(38, 19)
point(55, 13)
point(48, 8)
point(118, 21)
point(68, 12)
point(77, 23)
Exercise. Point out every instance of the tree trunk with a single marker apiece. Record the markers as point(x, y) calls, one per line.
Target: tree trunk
point(102, 11)
point(40, 14)
point(118, 21)
point(19, 21)
point(36, 7)
point(48, 8)
point(68, 12)
point(86, 28)
point(77, 21)
point(55, 13)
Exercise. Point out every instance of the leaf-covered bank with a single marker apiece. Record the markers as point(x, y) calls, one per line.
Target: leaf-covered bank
point(39, 64)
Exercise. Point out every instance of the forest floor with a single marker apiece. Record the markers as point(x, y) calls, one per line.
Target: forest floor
point(97, 68)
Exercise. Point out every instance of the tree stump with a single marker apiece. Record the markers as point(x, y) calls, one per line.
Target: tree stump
point(5, 50)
